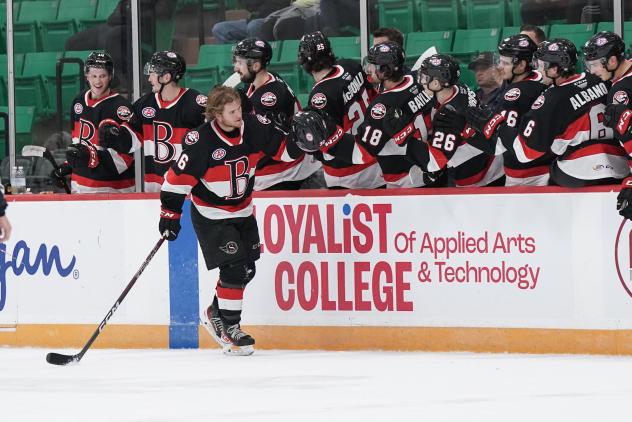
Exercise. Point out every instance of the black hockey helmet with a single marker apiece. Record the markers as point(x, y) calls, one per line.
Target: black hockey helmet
point(441, 67)
point(560, 52)
point(163, 62)
point(388, 58)
point(603, 45)
point(310, 129)
point(519, 47)
point(314, 52)
point(254, 48)
point(99, 60)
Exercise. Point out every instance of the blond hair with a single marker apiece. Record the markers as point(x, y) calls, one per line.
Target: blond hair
point(218, 97)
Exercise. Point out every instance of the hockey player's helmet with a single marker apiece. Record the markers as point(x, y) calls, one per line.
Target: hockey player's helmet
point(603, 45)
point(314, 52)
point(560, 52)
point(388, 58)
point(254, 48)
point(310, 130)
point(98, 60)
point(442, 67)
point(519, 47)
point(163, 62)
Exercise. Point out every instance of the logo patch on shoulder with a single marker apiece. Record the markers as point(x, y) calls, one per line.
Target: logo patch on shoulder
point(620, 97)
point(218, 154)
point(263, 119)
point(539, 102)
point(148, 112)
point(78, 108)
point(201, 100)
point(124, 113)
point(513, 94)
point(378, 111)
point(192, 137)
point(319, 100)
point(268, 99)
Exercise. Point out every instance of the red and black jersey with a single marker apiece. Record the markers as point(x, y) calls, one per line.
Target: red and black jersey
point(513, 104)
point(621, 93)
point(567, 120)
point(468, 158)
point(115, 171)
point(276, 98)
point(390, 128)
point(164, 124)
point(344, 94)
point(218, 168)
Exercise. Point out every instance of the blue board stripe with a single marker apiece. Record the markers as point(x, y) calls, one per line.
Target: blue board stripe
point(184, 286)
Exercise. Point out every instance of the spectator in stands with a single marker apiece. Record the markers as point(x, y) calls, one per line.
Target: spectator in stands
point(237, 30)
point(488, 78)
point(333, 13)
point(291, 22)
point(534, 32)
point(540, 12)
point(382, 35)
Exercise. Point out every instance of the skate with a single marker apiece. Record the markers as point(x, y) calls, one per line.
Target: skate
point(211, 321)
point(237, 342)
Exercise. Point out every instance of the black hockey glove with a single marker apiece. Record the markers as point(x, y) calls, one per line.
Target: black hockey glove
point(624, 199)
point(80, 155)
point(114, 137)
point(59, 175)
point(479, 117)
point(169, 225)
point(280, 121)
point(447, 119)
point(617, 117)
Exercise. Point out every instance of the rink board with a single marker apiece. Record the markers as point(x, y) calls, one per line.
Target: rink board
point(521, 270)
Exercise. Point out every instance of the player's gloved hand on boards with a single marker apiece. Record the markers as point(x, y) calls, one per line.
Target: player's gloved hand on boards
point(448, 119)
point(617, 117)
point(59, 175)
point(624, 199)
point(111, 136)
point(169, 225)
point(80, 155)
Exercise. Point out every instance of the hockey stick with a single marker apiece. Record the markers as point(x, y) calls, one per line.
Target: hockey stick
point(38, 151)
point(59, 359)
point(429, 52)
point(233, 80)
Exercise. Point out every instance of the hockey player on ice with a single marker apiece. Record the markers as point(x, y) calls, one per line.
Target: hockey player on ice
point(166, 113)
point(104, 134)
point(217, 167)
point(268, 95)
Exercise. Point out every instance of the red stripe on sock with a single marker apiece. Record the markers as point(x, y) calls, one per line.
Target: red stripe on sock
point(225, 293)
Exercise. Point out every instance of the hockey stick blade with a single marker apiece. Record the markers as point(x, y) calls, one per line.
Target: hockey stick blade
point(59, 359)
point(429, 52)
point(233, 80)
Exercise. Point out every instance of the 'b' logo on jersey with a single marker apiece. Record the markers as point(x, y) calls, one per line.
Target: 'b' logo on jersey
point(239, 177)
point(165, 151)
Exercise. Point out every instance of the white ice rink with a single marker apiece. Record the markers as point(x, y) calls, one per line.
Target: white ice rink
point(203, 385)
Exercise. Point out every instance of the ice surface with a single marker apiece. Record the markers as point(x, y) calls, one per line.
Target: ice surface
point(204, 385)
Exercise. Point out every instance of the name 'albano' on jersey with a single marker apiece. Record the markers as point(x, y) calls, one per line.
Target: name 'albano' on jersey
point(585, 148)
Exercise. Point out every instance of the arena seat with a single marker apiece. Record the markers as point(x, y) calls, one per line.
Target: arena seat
point(27, 36)
point(470, 42)
point(70, 14)
point(396, 13)
point(418, 42)
point(485, 13)
point(577, 33)
point(346, 47)
point(35, 87)
point(438, 15)
point(286, 65)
